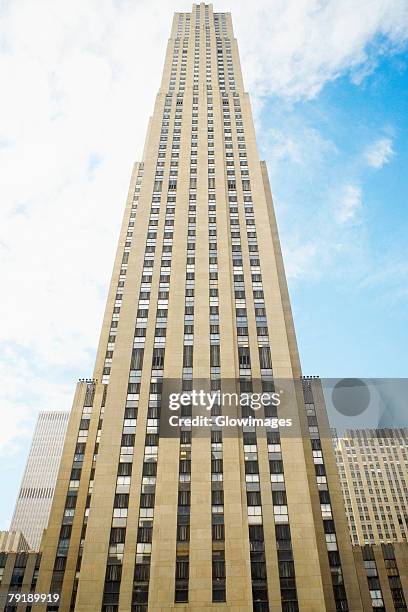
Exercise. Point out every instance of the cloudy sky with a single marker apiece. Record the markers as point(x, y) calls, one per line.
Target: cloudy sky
point(328, 81)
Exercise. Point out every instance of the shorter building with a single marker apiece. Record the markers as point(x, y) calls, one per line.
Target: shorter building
point(13, 541)
point(18, 575)
point(382, 572)
point(34, 500)
point(373, 469)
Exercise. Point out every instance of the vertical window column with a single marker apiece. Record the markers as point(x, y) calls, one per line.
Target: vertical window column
point(339, 590)
point(122, 278)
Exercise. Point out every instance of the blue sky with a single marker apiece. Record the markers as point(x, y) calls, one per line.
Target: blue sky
point(328, 82)
point(349, 290)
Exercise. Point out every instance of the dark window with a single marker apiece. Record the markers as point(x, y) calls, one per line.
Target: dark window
point(65, 532)
point(244, 357)
point(71, 501)
point(218, 532)
point(121, 500)
point(147, 500)
point(265, 357)
point(158, 358)
point(251, 467)
point(185, 466)
point(144, 535)
point(215, 356)
point(184, 498)
point(149, 468)
point(182, 568)
point(256, 533)
point(216, 466)
point(117, 535)
point(124, 469)
point(133, 388)
point(137, 359)
point(276, 466)
point(188, 356)
point(324, 497)
point(183, 533)
point(216, 436)
point(253, 498)
point(286, 569)
point(113, 572)
point(17, 577)
point(142, 572)
point(279, 498)
point(128, 439)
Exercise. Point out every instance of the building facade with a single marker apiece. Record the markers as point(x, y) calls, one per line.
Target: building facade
point(373, 468)
point(13, 541)
point(38, 484)
point(18, 575)
point(382, 578)
point(252, 520)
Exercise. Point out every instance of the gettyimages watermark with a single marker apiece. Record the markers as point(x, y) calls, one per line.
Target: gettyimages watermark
point(210, 401)
point(295, 407)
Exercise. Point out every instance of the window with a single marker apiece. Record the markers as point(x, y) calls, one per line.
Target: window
point(183, 533)
point(117, 535)
point(158, 359)
point(216, 466)
point(244, 357)
point(217, 497)
point(113, 573)
point(182, 567)
point(188, 356)
point(215, 356)
point(121, 499)
point(184, 498)
point(17, 577)
point(265, 358)
point(218, 532)
point(276, 466)
point(137, 358)
point(218, 576)
point(253, 498)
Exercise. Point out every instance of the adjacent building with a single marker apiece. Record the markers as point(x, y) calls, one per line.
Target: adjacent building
point(246, 519)
point(373, 468)
point(38, 484)
point(383, 576)
point(13, 541)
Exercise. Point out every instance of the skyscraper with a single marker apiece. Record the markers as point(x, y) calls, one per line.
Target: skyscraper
point(251, 519)
point(373, 467)
point(37, 486)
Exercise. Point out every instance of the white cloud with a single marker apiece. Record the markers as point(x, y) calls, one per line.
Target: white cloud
point(292, 48)
point(79, 83)
point(296, 143)
point(77, 93)
point(392, 276)
point(379, 152)
point(349, 203)
point(301, 259)
point(22, 392)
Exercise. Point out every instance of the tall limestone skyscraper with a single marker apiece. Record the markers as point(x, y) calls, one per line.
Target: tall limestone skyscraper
point(251, 519)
